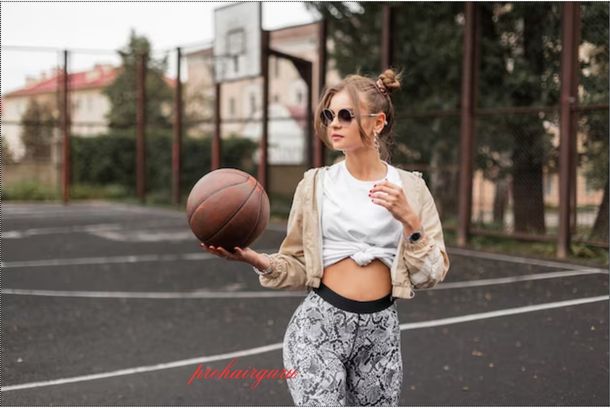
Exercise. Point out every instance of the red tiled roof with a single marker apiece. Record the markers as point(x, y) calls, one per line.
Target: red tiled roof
point(98, 77)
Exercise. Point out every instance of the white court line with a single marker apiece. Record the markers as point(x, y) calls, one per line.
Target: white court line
point(282, 228)
point(210, 294)
point(513, 258)
point(195, 256)
point(76, 210)
point(158, 295)
point(72, 212)
point(203, 256)
point(92, 228)
point(278, 346)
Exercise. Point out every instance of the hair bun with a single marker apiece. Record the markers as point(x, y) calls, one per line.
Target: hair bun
point(390, 79)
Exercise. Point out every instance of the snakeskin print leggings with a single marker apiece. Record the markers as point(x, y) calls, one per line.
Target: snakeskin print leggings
point(342, 357)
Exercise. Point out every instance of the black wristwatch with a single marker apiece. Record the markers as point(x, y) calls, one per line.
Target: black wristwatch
point(415, 236)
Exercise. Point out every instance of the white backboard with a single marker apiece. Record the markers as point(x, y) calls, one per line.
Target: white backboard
point(237, 41)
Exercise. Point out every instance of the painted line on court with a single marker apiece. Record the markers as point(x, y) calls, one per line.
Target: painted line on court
point(194, 256)
point(91, 228)
point(513, 258)
point(157, 295)
point(278, 346)
point(211, 294)
point(86, 210)
point(203, 256)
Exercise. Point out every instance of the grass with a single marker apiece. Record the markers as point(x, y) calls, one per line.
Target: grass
point(580, 253)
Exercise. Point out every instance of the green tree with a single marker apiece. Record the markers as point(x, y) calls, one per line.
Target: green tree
point(123, 91)
point(520, 54)
point(594, 80)
point(7, 155)
point(37, 125)
point(428, 46)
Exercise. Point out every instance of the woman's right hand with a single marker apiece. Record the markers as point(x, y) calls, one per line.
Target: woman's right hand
point(246, 255)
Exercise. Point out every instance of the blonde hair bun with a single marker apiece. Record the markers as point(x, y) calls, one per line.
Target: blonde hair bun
point(391, 79)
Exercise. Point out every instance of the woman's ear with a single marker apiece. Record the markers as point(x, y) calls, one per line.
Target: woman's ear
point(381, 121)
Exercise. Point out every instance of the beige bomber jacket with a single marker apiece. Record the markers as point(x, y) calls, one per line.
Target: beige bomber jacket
point(299, 265)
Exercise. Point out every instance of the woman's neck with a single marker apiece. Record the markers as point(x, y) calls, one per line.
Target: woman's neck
point(366, 167)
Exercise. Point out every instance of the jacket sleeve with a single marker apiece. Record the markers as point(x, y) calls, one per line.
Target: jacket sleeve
point(426, 259)
point(288, 264)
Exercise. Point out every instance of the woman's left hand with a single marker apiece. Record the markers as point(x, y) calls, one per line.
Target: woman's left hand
point(392, 197)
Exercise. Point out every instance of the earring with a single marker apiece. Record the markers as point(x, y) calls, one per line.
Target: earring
point(376, 140)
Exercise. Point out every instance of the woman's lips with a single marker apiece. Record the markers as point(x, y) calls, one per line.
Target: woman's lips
point(336, 137)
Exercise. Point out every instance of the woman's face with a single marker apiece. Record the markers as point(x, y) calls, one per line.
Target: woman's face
point(345, 136)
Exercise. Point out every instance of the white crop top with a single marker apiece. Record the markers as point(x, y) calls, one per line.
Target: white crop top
point(353, 225)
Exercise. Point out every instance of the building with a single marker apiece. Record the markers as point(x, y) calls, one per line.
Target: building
point(241, 101)
point(88, 104)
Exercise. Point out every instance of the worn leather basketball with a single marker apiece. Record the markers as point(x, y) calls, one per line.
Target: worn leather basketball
point(227, 208)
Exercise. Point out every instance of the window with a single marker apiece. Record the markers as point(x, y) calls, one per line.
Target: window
point(276, 98)
point(232, 106)
point(277, 67)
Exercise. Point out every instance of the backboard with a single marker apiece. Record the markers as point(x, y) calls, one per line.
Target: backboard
point(237, 41)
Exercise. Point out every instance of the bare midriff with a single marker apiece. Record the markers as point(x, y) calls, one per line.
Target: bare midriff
point(368, 282)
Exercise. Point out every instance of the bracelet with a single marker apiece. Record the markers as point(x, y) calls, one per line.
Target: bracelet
point(266, 271)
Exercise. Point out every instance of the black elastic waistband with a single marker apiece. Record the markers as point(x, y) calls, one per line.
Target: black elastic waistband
point(351, 305)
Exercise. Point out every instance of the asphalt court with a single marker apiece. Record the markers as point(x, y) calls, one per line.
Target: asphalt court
point(112, 304)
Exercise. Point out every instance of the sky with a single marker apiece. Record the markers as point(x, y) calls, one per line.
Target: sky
point(106, 26)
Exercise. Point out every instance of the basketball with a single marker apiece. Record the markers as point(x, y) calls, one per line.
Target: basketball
point(227, 208)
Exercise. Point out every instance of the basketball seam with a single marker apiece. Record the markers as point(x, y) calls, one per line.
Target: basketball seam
point(233, 215)
point(215, 192)
point(258, 216)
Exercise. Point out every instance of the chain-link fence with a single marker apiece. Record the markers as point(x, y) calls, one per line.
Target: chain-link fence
point(515, 188)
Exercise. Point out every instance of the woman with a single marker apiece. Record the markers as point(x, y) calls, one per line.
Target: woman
point(344, 338)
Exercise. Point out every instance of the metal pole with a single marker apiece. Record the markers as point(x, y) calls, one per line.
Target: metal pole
point(318, 145)
point(574, 116)
point(216, 139)
point(65, 129)
point(305, 70)
point(387, 46)
point(140, 127)
point(566, 152)
point(310, 133)
point(177, 145)
point(466, 126)
point(262, 162)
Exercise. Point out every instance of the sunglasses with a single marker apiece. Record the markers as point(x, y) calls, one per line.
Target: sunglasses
point(345, 116)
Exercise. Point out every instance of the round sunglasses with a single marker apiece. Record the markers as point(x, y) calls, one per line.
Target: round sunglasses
point(345, 116)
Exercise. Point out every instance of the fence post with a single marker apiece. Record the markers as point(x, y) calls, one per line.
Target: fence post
point(467, 124)
point(140, 127)
point(262, 161)
point(319, 151)
point(65, 130)
point(387, 30)
point(569, 59)
point(177, 145)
